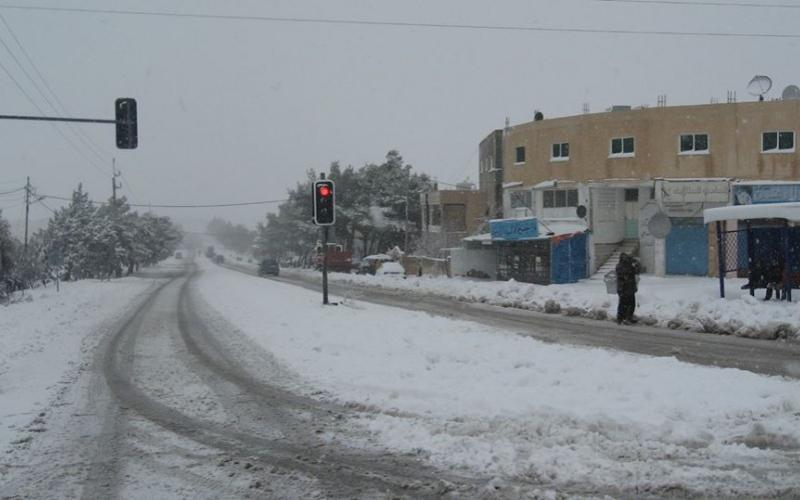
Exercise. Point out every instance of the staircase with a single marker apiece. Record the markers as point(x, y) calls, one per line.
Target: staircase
point(629, 247)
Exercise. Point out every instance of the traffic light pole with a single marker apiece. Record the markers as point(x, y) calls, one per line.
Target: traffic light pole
point(325, 265)
point(56, 119)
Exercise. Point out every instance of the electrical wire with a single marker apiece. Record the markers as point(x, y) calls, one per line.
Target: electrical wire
point(91, 145)
point(401, 24)
point(707, 4)
point(152, 205)
point(42, 203)
point(42, 113)
point(129, 186)
point(14, 191)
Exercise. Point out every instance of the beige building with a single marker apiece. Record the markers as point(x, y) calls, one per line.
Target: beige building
point(752, 140)
point(626, 165)
point(448, 216)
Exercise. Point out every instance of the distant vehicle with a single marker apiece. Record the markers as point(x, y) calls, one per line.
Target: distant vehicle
point(391, 269)
point(269, 266)
point(178, 255)
point(371, 263)
point(339, 259)
point(210, 252)
point(219, 259)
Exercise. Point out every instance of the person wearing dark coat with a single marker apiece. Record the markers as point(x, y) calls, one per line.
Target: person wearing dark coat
point(626, 270)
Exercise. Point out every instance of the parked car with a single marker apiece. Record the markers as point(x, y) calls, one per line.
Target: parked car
point(178, 255)
point(371, 263)
point(269, 266)
point(219, 259)
point(391, 269)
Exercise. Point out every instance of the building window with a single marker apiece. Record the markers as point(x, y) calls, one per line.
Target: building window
point(632, 194)
point(436, 215)
point(521, 199)
point(560, 198)
point(622, 146)
point(560, 152)
point(694, 143)
point(773, 142)
point(520, 151)
point(454, 217)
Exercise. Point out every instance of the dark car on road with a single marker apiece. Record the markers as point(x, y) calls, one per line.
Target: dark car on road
point(268, 266)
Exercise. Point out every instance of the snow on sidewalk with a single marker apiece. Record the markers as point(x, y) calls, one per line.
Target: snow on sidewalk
point(45, 340)
point(464, 394)
point(690, 303)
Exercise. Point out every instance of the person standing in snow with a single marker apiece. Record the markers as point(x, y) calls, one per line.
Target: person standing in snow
point(626, 270)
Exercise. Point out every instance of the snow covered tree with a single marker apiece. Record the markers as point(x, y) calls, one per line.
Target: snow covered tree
point(8, 250)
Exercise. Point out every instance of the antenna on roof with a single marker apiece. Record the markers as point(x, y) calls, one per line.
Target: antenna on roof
point(759, 85)
point(792, 92)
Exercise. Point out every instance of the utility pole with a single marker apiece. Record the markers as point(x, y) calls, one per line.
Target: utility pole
point(114, 175)
point(405, 244)
point(27, 214)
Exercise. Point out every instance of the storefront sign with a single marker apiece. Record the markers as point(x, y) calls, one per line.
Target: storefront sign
point(766, 193)
point(514, 229)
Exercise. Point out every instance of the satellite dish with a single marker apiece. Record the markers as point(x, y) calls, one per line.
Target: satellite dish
point(759, 85)
point(581, 211)
point(792, 92)
point(659, 225)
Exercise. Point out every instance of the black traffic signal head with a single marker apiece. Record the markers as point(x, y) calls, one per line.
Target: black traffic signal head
point(324, 199)
point(127, 129)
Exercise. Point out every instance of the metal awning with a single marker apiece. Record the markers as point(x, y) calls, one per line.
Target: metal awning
point(788, 211)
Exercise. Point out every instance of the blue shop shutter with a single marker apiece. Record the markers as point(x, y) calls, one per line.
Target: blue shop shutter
point(568, 262)
point(687, 247)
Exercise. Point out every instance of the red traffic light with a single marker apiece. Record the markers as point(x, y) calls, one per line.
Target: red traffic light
point(324, 191)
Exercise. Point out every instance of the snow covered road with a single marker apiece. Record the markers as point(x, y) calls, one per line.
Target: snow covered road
point(45, 342)
point(222, 385)
point(484, 400)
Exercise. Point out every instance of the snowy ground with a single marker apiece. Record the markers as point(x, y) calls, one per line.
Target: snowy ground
point(44, 343)
point(466, 395)
point(673, 302)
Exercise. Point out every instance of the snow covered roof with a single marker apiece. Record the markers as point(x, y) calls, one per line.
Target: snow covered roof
point(563, 226)
point(479, 237)
point(507, 185)
point(788, 211)
point(558, 227)
point(377, 256)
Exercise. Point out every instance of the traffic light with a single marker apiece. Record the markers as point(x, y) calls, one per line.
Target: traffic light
point(324, 199)
point(127, 129)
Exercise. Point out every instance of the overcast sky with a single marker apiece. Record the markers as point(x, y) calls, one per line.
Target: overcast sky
point(237, 110)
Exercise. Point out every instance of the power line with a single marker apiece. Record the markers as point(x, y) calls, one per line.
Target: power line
point(402, 24)
point(708, 4)
point(42, 113)
point(42, 203)
point(93, 146)
point(150, 205)
point(14, 191)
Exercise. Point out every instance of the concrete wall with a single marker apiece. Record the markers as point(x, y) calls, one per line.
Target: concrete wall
point(490, 172)
point(608, 215)
point(734, 130)
point(463, 260)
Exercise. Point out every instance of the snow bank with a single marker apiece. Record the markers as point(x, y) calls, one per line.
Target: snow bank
point(44, 341)
point(674, 302)
point(463, 394)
